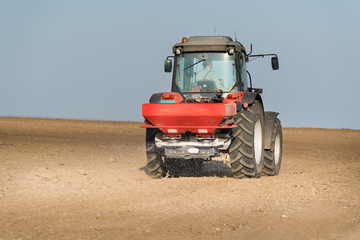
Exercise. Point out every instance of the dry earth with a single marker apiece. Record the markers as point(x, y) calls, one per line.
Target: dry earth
point(62, 179)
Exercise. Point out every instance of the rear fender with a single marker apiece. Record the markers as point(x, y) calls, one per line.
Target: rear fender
point(250, 97)
point(270, 118)
point(158, 97)
point(155, 98)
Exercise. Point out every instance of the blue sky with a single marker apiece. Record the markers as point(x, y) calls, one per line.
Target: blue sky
point(101, 60)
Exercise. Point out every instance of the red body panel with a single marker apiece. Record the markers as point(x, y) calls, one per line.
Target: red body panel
point(199, 118)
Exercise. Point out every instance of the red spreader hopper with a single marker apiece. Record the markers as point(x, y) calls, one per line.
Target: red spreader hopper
point(199, 118)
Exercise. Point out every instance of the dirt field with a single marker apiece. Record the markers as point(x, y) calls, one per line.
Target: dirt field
point(62, 179)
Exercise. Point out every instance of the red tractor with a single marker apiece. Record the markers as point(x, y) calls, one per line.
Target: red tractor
point(212, 109)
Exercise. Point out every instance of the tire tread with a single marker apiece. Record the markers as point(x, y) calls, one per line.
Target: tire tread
point(241, 148)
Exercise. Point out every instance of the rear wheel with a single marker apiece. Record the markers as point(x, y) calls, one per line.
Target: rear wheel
point(273, 156)
point(155, 163)
point(247, 146)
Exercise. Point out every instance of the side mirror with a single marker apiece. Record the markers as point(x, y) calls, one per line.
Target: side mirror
point(275, 63)
point(168, 65)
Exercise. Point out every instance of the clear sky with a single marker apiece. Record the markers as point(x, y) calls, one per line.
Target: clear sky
point(101, 60)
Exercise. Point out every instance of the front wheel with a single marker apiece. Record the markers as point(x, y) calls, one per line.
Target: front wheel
point(247, 146)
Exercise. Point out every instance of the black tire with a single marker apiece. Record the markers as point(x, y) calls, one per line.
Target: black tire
point(273, 156)
point(247, 146)
point(155, 163)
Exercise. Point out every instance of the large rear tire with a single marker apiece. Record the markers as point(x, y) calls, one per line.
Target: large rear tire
point(247, 146)
point(155, 163)
point(273, 156)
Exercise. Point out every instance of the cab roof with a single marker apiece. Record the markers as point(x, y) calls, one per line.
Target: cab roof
point(209, 43)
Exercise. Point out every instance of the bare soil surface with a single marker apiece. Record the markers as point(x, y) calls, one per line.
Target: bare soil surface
point(63, 179)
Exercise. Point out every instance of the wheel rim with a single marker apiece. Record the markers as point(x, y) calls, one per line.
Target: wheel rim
point(277, 149)
point(258, 141)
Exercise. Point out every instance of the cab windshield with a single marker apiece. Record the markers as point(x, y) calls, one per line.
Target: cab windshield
point(205, 72)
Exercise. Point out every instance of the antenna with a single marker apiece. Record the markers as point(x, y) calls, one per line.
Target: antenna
point(235, 36)
point(214, 30)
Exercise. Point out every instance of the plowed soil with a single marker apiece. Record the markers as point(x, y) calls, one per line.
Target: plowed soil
point(63, 179)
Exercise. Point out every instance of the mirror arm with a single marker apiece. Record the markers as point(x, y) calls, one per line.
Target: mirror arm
point(274, 59)
point(263, 55)
point(248, 54)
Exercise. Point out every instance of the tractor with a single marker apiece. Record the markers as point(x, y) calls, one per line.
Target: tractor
point(211, 111)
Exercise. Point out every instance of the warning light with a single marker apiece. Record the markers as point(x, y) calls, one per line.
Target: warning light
point(184, 40)
point(168, 97)
point(232, 96)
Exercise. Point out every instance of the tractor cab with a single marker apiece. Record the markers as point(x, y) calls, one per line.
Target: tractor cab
point(208, 68)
